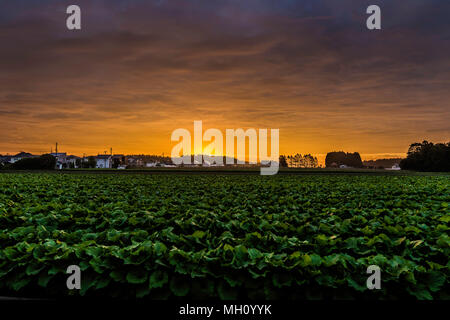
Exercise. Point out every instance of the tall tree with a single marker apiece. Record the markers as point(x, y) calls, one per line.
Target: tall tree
point(427, 156)
point(283, 162)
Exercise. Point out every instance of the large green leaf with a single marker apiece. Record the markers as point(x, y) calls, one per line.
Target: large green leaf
point(158, 278)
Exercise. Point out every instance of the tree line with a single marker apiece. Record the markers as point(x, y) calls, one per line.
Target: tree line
point(424, 156)
point(427, 156)
point(299, 161)
point(44, 162)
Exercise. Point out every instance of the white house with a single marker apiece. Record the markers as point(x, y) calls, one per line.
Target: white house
point(103, 161)
point(72, 161)
point(394, 167)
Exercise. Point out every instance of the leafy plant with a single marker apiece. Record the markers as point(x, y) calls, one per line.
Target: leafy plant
point(225, 236)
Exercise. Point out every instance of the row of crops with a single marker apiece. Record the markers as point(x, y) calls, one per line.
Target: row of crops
point(224, 236)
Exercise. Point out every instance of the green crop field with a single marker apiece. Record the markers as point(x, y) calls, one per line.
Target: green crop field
point(224, 236)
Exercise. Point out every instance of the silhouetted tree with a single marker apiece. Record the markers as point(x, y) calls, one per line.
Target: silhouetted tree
point(309, 161)
point(44, 162)
point(299, 161)
point(47, 161)
point(116, 163)
point(342, 158)
point(283, 162)
point(427, 156)
point(291, 161)
point(91, 162)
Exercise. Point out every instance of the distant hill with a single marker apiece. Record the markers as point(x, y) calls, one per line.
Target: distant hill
point(385, 163)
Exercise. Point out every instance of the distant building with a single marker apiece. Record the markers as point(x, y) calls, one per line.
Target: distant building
point(117, 160)
point(394, 167)
point(71, 161)
point(130, 160)
point(61, 158)
point(150, 164)
point(20, 156)
point(5, 159)
point(120, 157)
point(103, 161)
point(134, 161)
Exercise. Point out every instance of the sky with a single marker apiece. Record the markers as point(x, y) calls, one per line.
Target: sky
point(138, 70)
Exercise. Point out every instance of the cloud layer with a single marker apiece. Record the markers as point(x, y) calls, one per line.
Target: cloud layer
point(140, 69)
